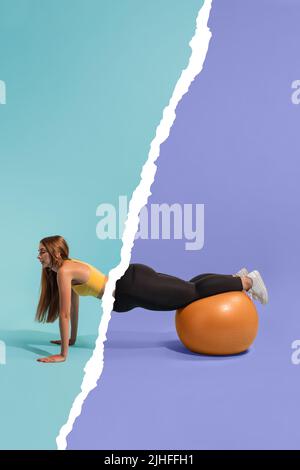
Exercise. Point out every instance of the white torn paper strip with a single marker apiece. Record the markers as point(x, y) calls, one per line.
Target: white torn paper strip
point(94, 367)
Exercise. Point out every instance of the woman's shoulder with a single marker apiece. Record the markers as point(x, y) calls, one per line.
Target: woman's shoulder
point(66, 267)
point(74, 269)
point(69, 265)
point(73, 263)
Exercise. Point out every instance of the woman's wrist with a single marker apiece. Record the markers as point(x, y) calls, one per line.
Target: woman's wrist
point(64, 349)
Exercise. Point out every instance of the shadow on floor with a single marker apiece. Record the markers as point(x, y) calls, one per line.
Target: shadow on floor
point(150, 339)
point(31, 340)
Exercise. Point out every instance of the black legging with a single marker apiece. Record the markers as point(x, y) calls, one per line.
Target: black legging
point(141, 286)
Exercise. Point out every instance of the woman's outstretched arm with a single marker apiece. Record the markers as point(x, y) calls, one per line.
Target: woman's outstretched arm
point(64, 288)
point(74, 320)
point(74, 317)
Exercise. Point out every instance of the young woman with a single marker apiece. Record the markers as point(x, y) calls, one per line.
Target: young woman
point(64, 279)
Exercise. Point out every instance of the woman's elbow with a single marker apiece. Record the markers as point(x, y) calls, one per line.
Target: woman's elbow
point(64, 316)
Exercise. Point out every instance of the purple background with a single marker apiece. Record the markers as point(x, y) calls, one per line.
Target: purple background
point(234, 147)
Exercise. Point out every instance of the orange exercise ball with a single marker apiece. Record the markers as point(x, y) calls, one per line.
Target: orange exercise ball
point(218, 325)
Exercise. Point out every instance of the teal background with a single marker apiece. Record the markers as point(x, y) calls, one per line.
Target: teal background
point(86, 85)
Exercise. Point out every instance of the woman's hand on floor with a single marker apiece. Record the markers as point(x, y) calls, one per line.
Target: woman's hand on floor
point(54, 358)
point(58, 341)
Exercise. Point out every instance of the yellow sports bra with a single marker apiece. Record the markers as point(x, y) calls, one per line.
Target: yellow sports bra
point(95, 283)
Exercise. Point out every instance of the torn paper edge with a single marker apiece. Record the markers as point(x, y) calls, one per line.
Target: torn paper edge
point(94, 367)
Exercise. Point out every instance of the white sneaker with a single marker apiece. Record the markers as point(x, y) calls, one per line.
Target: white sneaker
point(242, 272)
point(258, 290)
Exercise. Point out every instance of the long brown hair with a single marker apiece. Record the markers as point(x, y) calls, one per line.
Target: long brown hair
point(48, 306)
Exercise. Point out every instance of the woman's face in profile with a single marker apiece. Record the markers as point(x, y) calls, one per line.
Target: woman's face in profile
point(44, 257)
